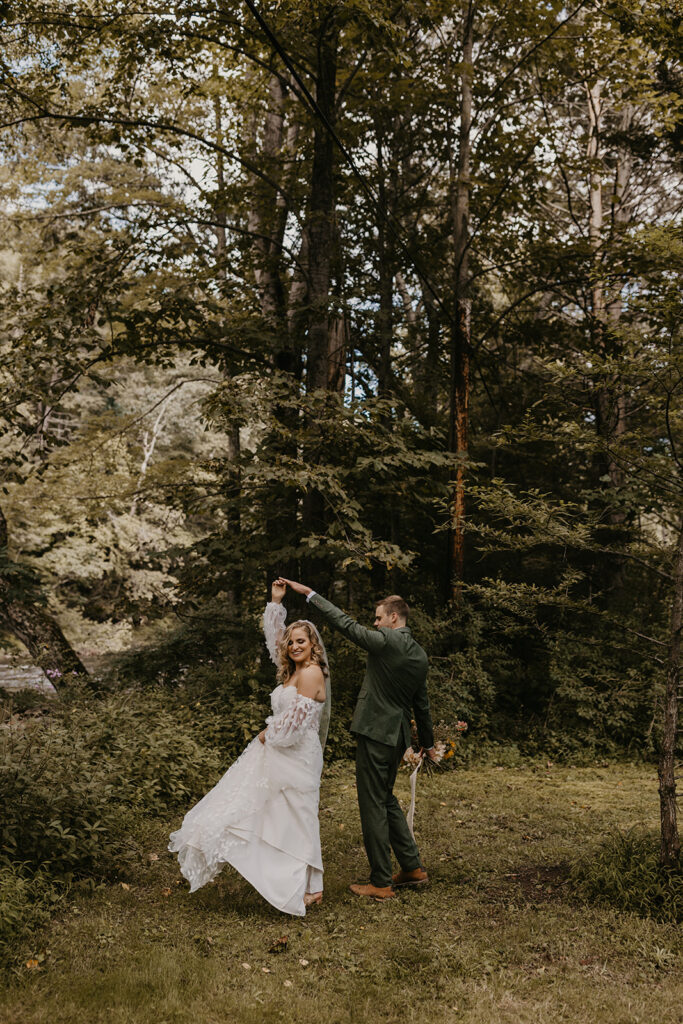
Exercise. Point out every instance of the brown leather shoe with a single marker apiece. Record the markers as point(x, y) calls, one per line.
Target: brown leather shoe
point(413, 878)
point(373, 892)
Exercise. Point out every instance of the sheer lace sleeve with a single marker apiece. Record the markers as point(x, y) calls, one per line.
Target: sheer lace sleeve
point(273, 627)
point(287, 728)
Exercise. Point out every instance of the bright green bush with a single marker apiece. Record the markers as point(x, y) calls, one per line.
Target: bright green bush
point(624, 871)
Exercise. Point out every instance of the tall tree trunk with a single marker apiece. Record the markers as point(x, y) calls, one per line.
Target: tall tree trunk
point(385, 319)
point(595, 205)
point(670, 848)
point(339, 343)
point(268, 213)
point(460, 326)
point(321, 211)
point(610, 411)
point(33, 627)
point(610, 400)
point(234, 495)
point(431, 369)
point(321, 239)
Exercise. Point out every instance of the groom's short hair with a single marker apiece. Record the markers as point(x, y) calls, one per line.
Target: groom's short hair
point(395, 604)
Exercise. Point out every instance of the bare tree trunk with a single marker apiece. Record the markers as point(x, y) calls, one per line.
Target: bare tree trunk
point(670, 848)
point(605, 310)
point(610, 400)
point(321, 216)
point(268, 213)
point(320, 230)
point(33, 627)
point(595, 201)
point(386, 279)
point(149, 442)
point(233, 513)
point(460, 326)
point(431, 371)
point(339, 341)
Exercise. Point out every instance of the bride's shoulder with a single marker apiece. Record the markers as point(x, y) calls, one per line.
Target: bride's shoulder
point(311, 682)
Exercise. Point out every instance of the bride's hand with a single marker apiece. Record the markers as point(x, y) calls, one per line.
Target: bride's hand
point(262, 736)
point(299, 588)
point(277, 590)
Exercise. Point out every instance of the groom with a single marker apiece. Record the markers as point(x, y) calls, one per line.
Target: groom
point(394, 683)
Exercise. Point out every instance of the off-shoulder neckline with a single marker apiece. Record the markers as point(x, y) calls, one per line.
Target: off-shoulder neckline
point(291, 686)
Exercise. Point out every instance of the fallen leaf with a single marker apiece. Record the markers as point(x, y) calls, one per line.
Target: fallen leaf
point(247, 967)
point(152, 856)
point(287, 984)
point(124, 885)
point(266, 970)
point(280, 945)
point(304, 963)
point(166, 892)
point(32, 964)
point(341, 825)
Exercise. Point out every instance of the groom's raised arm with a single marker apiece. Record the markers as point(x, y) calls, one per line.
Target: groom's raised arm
point(371, 640)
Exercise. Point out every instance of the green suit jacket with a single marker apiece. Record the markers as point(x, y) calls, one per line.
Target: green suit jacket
point(395, 682)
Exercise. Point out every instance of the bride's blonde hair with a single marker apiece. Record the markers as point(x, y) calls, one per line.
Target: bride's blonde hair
point(286, 666)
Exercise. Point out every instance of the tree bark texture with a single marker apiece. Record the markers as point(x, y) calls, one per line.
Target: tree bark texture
point(321, 235)
point(320, 225)
point(268, 213)
point(461, 320)
point(385, 260)
point(670, 847)
point(610, 402)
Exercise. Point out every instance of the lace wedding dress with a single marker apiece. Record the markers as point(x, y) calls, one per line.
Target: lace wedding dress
point(262, 816)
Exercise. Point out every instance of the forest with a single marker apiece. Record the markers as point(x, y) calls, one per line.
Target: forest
point(383, 297)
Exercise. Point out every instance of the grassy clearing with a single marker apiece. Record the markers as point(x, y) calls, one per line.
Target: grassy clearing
point(498, 937)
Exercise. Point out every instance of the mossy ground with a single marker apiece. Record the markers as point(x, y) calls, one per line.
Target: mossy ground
point(499, 937)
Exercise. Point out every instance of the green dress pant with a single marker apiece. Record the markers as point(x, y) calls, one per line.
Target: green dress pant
point(382, 820)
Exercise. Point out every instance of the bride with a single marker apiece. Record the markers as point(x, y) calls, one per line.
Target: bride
point(262, 816)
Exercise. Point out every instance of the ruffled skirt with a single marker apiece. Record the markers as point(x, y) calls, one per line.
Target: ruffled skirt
point(262, 819)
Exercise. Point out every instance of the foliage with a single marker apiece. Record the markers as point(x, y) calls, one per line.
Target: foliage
point(27, 901)
point(73, 779)
point(624, 871)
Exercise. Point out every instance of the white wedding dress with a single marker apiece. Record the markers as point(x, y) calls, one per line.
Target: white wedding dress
point(262, 816)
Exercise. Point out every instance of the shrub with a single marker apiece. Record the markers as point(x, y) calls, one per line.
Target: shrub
point(624, 871)
point(71, 782)
point(25, 904)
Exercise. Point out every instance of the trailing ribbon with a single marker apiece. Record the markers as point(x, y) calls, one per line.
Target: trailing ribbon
point(413, 790)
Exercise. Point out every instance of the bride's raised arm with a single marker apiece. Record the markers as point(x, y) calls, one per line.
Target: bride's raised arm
point(274, 620)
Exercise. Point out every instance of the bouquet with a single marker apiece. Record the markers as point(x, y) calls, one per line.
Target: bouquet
point(415, 758)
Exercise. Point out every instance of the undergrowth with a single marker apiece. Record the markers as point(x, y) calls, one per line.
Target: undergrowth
point(624, 872)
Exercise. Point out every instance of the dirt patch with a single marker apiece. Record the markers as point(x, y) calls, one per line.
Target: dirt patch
point(538, 883)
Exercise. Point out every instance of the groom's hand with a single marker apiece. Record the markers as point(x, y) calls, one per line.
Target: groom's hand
point(299, 588)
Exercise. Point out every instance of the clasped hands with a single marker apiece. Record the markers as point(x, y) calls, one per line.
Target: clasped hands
point(279, 586)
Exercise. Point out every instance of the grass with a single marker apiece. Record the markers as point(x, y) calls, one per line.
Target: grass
point(499, 937)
